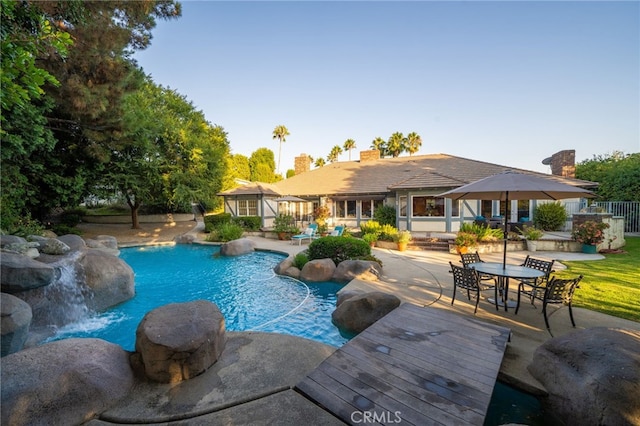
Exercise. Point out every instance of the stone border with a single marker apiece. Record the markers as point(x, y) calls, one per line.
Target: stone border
point(147, 218)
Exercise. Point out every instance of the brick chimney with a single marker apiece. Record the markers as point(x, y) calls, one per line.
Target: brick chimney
point(563, 163)
point(370, 155)
point(302, 164)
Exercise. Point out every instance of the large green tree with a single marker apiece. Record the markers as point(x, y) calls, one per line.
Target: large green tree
point(168, 156)
point(280, 133)
point(262, 165)
point(617, 173)
point(81, 113)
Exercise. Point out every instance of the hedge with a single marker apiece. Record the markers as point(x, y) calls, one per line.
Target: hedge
point(338, 249)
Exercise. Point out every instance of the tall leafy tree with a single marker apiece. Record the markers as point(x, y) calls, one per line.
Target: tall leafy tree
point(381, 145)
point(349, 144)
point(262, 165)
point(334, 154)
point(396, 144)
point(280, 133)
point(168, 156)
point(414, 142)
point(319, 162)
point(617, 173)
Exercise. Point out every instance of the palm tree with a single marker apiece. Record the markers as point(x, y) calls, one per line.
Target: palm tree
point(333, 155)
point(280, 133)
point(381, 145)
point(319, 162)
point(414, 142)
point(396, 144)
point(349, 144)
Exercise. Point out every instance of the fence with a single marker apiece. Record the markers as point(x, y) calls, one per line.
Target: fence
point(629, 209)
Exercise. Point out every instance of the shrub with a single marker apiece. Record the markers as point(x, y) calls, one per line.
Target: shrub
point(370, 238)
point(230, 232)
point(300, 260)
point(532, 233)
point(482, 232)
point(248, 223)
point(387, 233)
point(285, 223)
point(338, 249)
point(590, 232)
point(24, 226)
point(385, 215)
point(371, 227)
point(72, 217)
point(466, 239)
point(215, 221)
point(549, 216)
point(62, 229)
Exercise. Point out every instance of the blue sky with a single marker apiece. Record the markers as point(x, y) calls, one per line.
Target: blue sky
point(505, 82)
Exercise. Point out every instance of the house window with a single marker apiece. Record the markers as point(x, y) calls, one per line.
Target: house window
point(431, 207)
point(346, 209)
point(247, 208)
point(368, 207)
point(403, 206)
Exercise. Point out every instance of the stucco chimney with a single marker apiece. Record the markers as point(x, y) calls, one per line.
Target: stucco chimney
point(302, 164)
point(370, 155)
point(563, 163)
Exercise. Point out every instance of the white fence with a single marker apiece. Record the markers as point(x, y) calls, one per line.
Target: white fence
point(630, 210)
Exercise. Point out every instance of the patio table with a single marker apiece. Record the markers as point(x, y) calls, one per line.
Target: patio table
point(503, 273)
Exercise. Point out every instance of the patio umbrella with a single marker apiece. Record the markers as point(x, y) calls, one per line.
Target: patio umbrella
point(510, 185)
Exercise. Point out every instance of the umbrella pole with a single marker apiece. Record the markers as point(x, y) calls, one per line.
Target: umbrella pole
point(506, 216)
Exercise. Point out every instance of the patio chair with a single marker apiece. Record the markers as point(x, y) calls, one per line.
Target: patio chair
point(468, 279)
point(337, 231)
point(535, 287)
point(559, 292)
point(308, 234)
point(468, 258)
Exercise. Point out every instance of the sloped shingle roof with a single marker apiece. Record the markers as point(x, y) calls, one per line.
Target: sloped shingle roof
point(435, 171)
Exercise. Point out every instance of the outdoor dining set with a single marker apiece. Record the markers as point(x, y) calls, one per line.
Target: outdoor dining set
point(534, 282)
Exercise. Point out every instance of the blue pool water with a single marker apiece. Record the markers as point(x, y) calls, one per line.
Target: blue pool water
point(245, 288)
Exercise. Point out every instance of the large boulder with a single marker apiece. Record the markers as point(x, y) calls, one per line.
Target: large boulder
point(366, 270)
point(15, 322)
point(237, 247)
point(318, 270)
point(592, 376)
point(359, 311)
point(6, 240)
point(178, 341)
point(64, 382)
point(105, 243)
point(20, 273)
point(281, 267)
point(75, 242)
point(109, 277)
point(54, 246)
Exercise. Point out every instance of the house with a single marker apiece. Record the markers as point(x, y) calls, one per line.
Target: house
point(353, 190)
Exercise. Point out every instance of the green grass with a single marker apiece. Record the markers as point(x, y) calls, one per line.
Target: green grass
point(612, 285)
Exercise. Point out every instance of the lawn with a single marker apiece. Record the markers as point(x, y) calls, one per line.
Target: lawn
point(611, 285)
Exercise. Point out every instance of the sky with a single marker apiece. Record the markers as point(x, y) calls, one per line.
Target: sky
point(505, 82)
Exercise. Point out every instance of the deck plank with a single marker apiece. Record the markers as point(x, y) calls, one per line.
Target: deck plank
point(424, 365)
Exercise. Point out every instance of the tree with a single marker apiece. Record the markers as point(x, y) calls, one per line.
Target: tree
point(414, 142)
point(349, 144)
point(334, 154)
point(262, 165)
point(290, 173)
point(319, 162)
point(381, 145)
point(617, 173)
point(280, 133)
point(396, 144)
point(168, 156)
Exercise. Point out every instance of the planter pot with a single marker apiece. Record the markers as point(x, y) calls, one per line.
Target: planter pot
point(588, 248)
point(532, 245)
point(462, 250)
point(284, 236)
point(372, 244)
point(402, 246)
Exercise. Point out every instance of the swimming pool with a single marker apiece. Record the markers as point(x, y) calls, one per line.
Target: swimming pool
point(245, 288)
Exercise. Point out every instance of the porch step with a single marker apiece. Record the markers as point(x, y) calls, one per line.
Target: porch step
point(428, 244)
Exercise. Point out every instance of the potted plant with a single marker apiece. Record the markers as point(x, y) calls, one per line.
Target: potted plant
point(370, 239)
point(532, 234)
point(590, 234)
point(284, 226)
point(402, 238)
point(320, 215)
point(464, 241)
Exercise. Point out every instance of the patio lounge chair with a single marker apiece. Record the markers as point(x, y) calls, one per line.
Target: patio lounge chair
point(308, 234)
point(337, 231)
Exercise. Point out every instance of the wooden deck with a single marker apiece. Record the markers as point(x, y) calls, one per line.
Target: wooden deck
point(421, 366)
